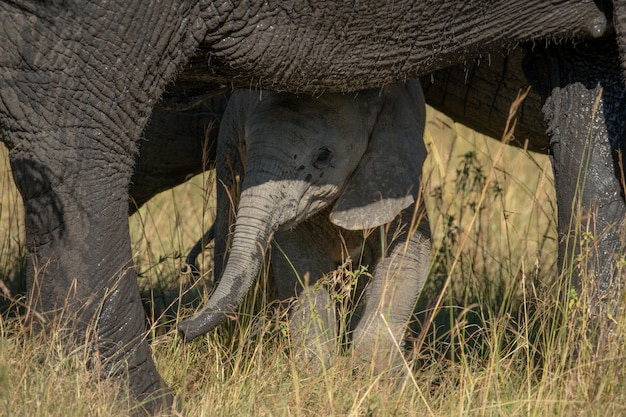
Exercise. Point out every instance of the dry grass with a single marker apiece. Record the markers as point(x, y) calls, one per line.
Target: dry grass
point(500, 343)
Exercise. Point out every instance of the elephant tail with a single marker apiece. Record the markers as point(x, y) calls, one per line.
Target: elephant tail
point(619, 22)
point(192, 257)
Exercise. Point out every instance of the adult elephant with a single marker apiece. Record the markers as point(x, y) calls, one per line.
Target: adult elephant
point(79, 81)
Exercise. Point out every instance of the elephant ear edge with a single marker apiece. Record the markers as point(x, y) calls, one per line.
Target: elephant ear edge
point(386, 180)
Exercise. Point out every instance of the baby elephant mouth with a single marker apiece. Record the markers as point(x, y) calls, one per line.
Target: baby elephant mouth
point(291, 221)
point(315, 199)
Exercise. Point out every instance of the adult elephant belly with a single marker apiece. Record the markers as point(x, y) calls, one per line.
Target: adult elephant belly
point(479, 93)
point(365, 45)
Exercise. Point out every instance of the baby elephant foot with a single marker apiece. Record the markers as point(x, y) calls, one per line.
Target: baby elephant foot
point(313, 332)
point(379, 349)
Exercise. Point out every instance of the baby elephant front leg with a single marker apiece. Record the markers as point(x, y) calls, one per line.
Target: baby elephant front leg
point(390, 299)
point(300, 257)
point(312, 327)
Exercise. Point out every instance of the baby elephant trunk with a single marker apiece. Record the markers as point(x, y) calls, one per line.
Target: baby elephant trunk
point(253, 231)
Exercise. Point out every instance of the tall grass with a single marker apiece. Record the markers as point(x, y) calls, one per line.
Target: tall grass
point(501, 341)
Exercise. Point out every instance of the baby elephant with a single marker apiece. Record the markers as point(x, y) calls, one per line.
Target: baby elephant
point(316, 175)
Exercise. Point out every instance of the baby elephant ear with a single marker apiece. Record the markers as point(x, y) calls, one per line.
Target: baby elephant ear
point(386, 180)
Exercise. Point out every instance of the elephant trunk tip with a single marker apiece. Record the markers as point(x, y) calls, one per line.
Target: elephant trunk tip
point(199, 324)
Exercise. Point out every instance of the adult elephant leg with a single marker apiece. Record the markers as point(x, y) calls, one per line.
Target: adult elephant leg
point(619, 22)
point(78, 85)
point(175, 145)
point(585, 107)
point(67, 230)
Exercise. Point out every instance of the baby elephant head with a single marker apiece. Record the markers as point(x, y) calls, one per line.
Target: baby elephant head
point(359, 153)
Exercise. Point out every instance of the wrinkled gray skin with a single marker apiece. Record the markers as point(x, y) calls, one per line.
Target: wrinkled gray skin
point(175, 145)
point(79, 81)
point(316, 172)
point(585, 106)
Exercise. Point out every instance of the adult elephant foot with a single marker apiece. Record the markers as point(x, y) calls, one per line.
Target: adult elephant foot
point(585, 107)
point(121, 339)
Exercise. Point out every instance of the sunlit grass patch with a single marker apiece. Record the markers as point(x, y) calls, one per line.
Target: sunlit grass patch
point(12, 249)
point(39, 377)
point(162, 232)
point(492, 212)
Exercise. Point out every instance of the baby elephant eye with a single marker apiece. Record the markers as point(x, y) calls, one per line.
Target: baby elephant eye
point(323, 157)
